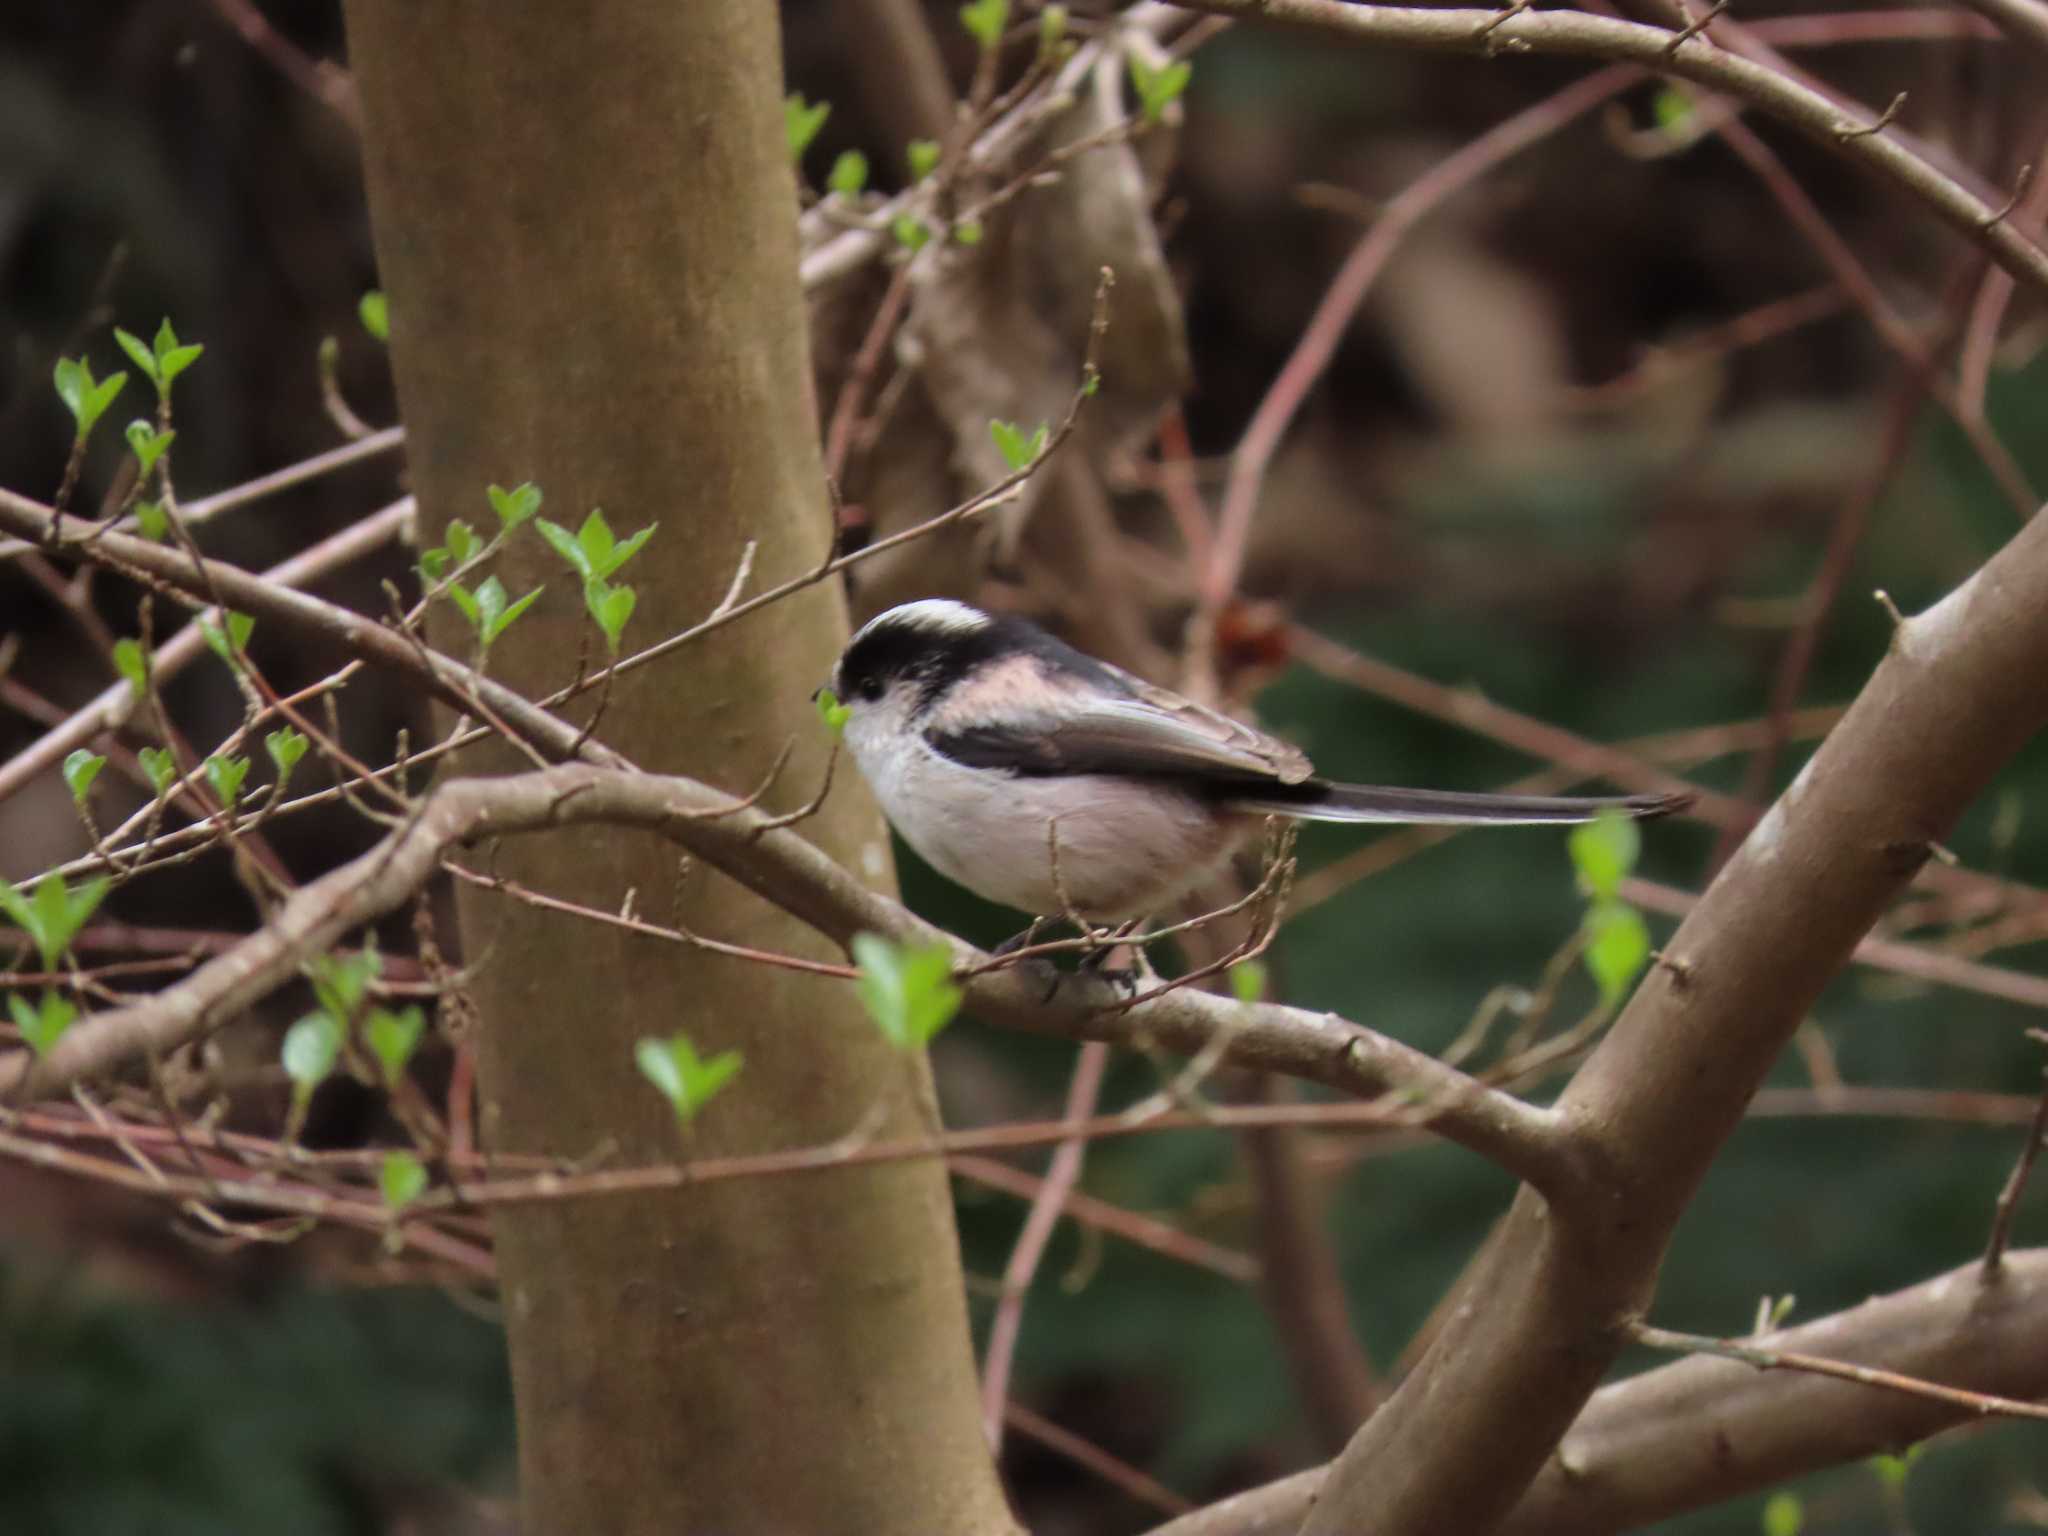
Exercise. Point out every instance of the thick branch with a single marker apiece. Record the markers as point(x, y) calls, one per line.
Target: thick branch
point(1703, 1431)
point(1577, 35)
point(778, 864)
point(1551, 1301)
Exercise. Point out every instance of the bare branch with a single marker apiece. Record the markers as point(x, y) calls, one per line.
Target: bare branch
point(778, 864)
point(1577, 35)
point(1706, 1430)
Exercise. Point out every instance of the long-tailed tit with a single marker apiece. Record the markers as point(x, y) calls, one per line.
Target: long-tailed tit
point(1001, 753)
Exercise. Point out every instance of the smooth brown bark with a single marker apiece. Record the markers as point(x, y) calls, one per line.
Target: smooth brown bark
point(586, 225)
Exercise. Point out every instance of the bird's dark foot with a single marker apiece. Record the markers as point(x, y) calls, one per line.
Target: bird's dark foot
point(1124, 978)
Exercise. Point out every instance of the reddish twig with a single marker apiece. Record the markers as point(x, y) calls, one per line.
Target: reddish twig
point(1060, 1179)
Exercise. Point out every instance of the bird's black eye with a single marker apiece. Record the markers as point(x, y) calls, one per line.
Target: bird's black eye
point(870, 689)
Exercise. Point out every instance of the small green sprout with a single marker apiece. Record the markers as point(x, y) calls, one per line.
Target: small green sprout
point(43, 1025)
point(922, 156)
point(311, 1047)
point(80, 769)
point(516, 505)
point(132, 662)
point(1784, 1515)
point(1158, 84)
point(392, 1036)
point(910, 232)
point(831, 711)
point(611, 606)
point(285, 746)
point(374, 310)
point(52, 913)
point(401, 1179)
point(1604, 852)
point(84, 396)
point(686, 1080)
point(162, 359)
point(1017, 447)
point(849, 173)
point(148, 445)
point(1248, 981)
point(985, 20)
point(801, 121)
point(494, 614)
point(224, 775)
point(909, 993)
point(591, 550)
point(1617, 947)
point(229, 643)
point(161, 767)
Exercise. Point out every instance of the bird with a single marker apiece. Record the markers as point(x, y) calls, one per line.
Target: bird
point(1043, 779)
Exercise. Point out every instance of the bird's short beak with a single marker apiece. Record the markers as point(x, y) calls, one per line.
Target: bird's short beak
point(816, 691)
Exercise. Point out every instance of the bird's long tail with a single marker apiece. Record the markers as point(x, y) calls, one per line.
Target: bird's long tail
point(1321, 800)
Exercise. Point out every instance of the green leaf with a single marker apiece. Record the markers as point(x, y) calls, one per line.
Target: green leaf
point(985, 20)
point(285, 746)
point(225, 775)
point(171, 359)
point(1617, 948)
point(43, 1026)
point(151, 520)
point(402, 1178)
point(52, 913)
point(80, 769)
point(341, 981)
point(138, 353)
point(849, 173)
point(132, 663)
point(686, 1080)
point(1158, 84)
point(1892, 1470)
point(611, 606)
point(1603, 851)
point(923, 156)
point(1016, 448)
point(1248, 981)
point(461, 597)
point(433, 565)
point(516, 505)
point(968, 232)
point(909, 993)
point(802, 121)
point(161, 767)
point(604, 554)
point(148, 445)
point(1052, 29)
point(494, 614)
point(86, 398)
point(563, 542)
point(375, 313)
point(392, 1037)
point(1671, 109)
point(831, 711)
point(910, 231)
point(234, 639)
point(1784, 1515)
point(310, 1049)
point(462, 542)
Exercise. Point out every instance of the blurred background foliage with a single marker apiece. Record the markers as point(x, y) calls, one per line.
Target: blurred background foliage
point(1458, 498)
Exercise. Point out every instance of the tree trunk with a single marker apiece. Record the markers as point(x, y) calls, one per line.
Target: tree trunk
point(585, 223)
